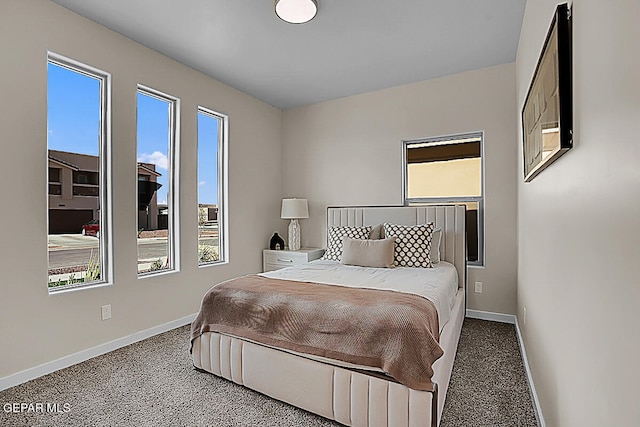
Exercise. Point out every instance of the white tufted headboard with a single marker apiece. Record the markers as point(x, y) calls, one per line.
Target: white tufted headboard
point(450, 218)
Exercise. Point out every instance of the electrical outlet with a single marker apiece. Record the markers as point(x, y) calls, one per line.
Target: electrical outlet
point(524, 315)
point(478, 288)
point(106, 312)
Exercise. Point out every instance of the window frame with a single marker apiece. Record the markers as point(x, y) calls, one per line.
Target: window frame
point(173, 195)
point(407, 201)
point(105, 197)
point(223, 163)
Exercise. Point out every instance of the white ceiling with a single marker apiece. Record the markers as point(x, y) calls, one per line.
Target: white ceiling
point(352, 46)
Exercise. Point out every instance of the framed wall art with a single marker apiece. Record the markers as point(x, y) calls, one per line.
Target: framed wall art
point(547, 114)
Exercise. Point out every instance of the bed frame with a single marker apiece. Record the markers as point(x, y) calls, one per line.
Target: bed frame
point(350, 397)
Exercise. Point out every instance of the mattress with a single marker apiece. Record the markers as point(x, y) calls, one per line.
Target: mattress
point(438, 284)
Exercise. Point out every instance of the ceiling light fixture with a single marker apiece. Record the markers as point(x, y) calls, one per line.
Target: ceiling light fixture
point(296, 11)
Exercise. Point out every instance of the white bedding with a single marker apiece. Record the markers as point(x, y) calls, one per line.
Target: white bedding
point(438, 284)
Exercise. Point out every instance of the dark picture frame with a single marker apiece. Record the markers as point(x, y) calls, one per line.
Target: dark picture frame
point(547, 114)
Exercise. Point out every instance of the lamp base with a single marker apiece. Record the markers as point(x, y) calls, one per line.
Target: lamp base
point(294, 235)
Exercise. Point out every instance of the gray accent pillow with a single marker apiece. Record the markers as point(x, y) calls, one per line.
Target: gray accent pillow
point(334, 239)
point(376, 232)
point(368, 253)
point(413, 244)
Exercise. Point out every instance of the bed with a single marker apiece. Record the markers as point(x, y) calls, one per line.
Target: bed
point(347, 391)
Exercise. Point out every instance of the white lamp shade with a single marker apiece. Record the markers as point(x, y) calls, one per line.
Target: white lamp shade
point(294, 209)
point(296, 11)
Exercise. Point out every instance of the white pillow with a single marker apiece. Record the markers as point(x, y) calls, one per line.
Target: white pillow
point(434, 254)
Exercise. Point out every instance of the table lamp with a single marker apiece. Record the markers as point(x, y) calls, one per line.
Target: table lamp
point(294, 209)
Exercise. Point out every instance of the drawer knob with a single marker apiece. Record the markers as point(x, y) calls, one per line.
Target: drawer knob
point(285, 260)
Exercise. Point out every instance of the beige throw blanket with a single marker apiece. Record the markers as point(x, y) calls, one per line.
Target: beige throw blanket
point(393, 331)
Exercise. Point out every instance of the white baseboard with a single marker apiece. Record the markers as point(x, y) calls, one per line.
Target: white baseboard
point(81, 356)
point(495, 317)
point(532, 387)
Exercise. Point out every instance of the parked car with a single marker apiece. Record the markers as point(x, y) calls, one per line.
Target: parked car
point(92, 228)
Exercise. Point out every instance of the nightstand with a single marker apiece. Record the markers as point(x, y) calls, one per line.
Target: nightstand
point(273, 260)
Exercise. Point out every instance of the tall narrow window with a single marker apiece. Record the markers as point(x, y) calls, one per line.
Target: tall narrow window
point(212, 130)
point(156, 181)
point(448, 170)
point(78, 174)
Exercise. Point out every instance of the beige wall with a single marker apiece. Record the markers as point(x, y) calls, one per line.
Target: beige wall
point(348, 152)
point(579, 226)
point(579, 218)
point(35, 327)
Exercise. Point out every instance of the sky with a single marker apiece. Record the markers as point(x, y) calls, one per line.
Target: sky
point(73, 101)
point(153, 138)
point(207, 159)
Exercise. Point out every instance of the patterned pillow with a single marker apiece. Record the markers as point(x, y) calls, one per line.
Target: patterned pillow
point(413, 244)
point(334, 240)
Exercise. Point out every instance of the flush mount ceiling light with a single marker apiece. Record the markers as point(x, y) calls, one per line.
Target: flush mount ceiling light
point(296, 11)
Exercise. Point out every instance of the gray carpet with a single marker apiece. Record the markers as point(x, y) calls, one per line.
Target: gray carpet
point(153, 383)
point(488, 385)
